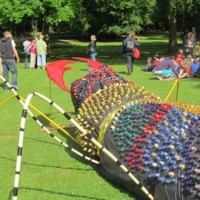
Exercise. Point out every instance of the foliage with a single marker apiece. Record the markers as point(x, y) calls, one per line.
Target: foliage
point(16, 10)
point(50, 12)
point(119, 16)
point(113, 17)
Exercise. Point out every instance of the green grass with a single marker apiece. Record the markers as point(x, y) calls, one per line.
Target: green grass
point(50, 172)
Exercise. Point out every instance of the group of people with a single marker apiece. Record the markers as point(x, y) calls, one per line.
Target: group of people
point(179, 66)
point(35, 50)
point(185, 64)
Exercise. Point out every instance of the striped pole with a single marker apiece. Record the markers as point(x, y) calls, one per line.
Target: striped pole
point(20, 145)
point(42, 126)
point(93, 140)
point(21, 100)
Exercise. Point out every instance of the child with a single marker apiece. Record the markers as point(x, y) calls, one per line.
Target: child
point(194, 66)
point(179, 56)
point(149, 66)
point(156, 60)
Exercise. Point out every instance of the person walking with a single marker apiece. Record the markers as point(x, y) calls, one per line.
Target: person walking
point(41, 48)
point(91, 48)
point(9, 57)
point(128, 49)
point(26, 44)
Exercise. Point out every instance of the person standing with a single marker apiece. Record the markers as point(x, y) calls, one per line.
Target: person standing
point(26, 44)
point(32, 48)
point(188, 44)
point(92, 49)
point(9, 57)
point(41, 48)
point(128, 49)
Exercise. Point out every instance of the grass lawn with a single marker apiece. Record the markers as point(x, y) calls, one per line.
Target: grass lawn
point(49, 171)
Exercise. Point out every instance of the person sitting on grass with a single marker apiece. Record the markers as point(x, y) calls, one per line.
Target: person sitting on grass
point(156, 60)
point(195, 66)
point(149, 65)
point(186, 65)
point(180, 56)
point(168, 70)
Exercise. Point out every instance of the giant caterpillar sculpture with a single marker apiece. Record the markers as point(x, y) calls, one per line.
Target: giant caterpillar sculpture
point(149, 147)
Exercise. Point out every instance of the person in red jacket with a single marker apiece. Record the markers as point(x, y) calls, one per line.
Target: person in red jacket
point(180, 56)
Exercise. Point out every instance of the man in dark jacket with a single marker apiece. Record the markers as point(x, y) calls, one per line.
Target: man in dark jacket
point(128, 49)
point(9, 57)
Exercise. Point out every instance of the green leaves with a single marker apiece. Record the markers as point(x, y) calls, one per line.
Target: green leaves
point(52, 11)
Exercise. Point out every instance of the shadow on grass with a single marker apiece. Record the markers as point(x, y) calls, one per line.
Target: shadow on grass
point(75, 196)
point(154, 78)
point(107, 53)
point(47, 166)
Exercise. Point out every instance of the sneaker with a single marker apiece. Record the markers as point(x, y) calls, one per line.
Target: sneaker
point(15, 87)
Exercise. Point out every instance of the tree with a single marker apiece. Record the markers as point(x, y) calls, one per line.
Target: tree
point(45, 12)
point(119, 16)
point(173, 15)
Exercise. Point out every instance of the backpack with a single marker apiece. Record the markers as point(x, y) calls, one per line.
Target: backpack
point(129, 45)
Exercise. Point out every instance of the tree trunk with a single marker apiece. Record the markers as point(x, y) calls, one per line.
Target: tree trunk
point(34, 24)
point(172, 47)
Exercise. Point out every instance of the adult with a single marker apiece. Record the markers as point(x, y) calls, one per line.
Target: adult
point(32, 48)
point(26, 44)
point(128, 49)
point(91, 48)
point(189, 44)
point(41, 48)
point(9, 57)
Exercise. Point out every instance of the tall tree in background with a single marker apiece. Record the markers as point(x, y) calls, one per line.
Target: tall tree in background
point(119, 16)
point(46, 12)
point(113, 17)
point(55, 12)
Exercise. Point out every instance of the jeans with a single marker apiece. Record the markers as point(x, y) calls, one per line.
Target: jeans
point(41, 60)
point(93, 57)
point(10, 65)
point(26, 60)
point(130, 62)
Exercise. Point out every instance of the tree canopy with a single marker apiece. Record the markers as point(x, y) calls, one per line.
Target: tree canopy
point(113, 17)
